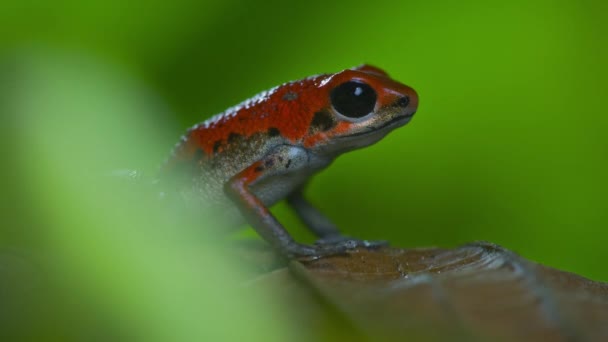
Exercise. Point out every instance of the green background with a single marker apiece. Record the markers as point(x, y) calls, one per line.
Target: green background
point(509, 143)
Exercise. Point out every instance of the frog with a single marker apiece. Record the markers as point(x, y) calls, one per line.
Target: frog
point(267, 149)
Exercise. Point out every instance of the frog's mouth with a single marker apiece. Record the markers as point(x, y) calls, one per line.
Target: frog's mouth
point(393, 123)
point(402, 120)
point(367, 136)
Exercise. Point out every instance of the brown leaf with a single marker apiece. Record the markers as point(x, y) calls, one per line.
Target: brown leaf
point(479, 291)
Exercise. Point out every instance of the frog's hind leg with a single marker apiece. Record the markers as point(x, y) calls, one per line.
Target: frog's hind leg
point(321, 226)
point(318, 223)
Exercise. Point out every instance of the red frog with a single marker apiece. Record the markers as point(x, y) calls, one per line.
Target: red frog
point(266, 149)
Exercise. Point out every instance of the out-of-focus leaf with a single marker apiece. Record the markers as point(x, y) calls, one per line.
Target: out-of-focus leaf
point(108, 260)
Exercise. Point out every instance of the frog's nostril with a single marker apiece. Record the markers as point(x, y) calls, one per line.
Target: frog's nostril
point(403, 101)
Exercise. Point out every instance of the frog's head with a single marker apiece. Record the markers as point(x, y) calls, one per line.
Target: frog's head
point(362, 105)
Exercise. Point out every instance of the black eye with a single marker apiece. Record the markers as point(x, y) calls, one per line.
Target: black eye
point(353, 99)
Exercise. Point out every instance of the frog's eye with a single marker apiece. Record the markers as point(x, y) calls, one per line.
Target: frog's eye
point(353, 99)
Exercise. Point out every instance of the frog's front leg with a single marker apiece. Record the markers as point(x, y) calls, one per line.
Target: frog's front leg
point(280, 161)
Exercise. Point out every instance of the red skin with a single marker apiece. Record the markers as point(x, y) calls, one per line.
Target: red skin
point(274, 109)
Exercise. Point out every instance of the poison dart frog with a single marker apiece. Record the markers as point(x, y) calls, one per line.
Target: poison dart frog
point(266, 149)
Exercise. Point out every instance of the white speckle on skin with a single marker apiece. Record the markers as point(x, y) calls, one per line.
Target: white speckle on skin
point(324, 81)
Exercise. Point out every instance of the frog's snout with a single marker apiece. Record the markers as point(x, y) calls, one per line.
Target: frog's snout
point(403, 101)
point(409, 101)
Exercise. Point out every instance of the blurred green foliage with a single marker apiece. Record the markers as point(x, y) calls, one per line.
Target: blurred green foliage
point(108, 257)
point(509, 143)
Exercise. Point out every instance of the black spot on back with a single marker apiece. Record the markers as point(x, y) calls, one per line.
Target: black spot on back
point(322, 121)
point(234, 137)
point(259, 169)
point(273, 132)
point(216, 146)
point(269, 163)
point(290, 96)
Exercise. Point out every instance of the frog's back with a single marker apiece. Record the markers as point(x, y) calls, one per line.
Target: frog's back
point(215, 150)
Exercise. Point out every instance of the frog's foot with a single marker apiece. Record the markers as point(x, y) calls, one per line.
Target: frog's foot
point(349, 242)
point(333, 245)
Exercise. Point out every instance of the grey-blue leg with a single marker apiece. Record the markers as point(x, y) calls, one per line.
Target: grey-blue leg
point(318, 223)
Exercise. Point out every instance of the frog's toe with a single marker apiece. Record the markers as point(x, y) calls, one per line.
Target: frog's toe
point(332, 239)
point(374, 243)
point(345, 243)
point(327, 247)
